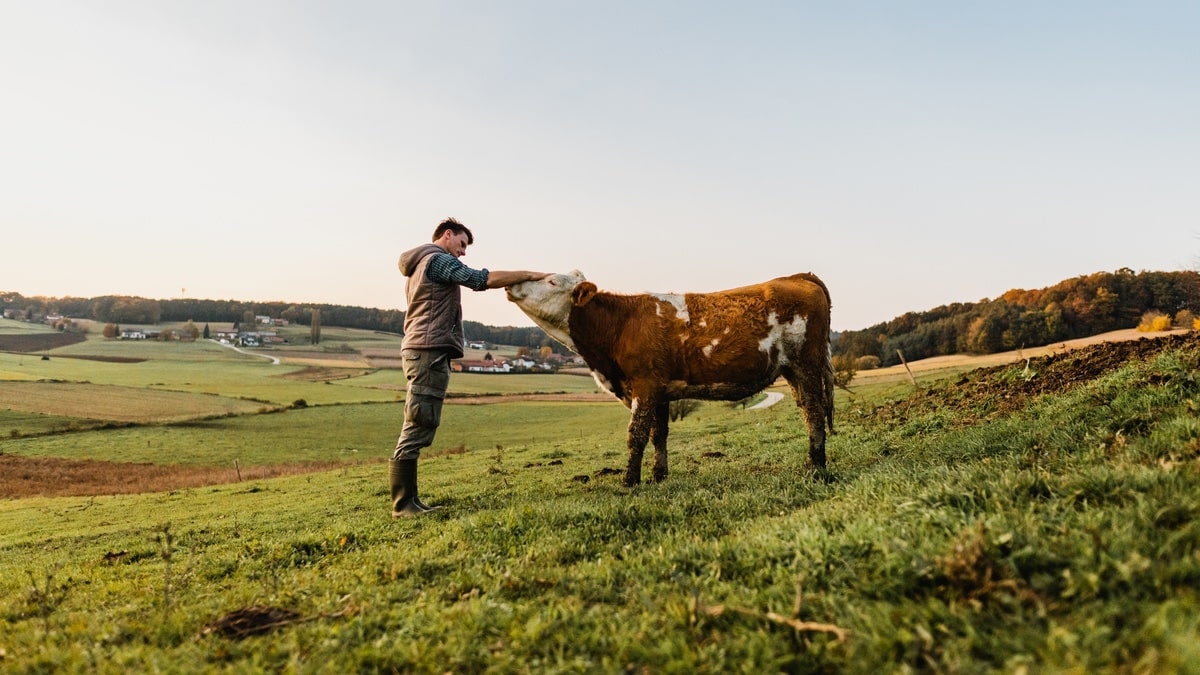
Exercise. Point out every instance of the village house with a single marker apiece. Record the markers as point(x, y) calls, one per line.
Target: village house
point(522, 362)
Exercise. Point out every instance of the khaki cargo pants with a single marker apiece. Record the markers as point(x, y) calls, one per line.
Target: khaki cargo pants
point(428, 375)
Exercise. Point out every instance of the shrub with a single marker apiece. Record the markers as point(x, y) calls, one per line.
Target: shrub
point(868, 362)
point(844, 369)
point(1154, 321)
point(1184, 318)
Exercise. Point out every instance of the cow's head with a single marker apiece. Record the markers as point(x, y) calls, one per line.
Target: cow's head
point(548, 301)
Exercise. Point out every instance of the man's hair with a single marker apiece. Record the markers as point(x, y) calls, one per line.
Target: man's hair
point(455, 227)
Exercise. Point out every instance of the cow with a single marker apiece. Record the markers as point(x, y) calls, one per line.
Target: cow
point(649, 349)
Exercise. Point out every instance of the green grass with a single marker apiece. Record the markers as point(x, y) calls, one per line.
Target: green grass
point(1060, 536)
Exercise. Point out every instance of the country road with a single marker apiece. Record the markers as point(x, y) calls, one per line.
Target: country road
point(772, 397)
point(274, 360)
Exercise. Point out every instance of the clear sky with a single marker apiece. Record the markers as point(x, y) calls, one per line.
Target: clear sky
point(912, 154)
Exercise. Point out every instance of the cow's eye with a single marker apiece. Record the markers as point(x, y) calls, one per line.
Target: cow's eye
point(552, 282)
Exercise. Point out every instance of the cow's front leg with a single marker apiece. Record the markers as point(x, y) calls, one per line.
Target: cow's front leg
point(640, 423)
point(662, 414)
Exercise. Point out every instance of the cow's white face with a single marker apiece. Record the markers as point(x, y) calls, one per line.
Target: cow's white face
point(548, 302)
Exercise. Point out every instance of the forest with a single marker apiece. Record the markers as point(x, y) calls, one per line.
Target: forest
point(1079, 307)
point(145, 311)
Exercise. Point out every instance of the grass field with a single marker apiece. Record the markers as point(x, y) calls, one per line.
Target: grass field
point(1040, 517)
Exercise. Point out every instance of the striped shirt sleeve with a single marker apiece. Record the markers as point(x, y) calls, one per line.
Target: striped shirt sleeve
point(446, 269)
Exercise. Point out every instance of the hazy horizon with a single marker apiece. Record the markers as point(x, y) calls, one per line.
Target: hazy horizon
point(529, 323)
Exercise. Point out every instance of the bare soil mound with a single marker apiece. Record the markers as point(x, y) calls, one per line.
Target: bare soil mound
point(1001, 389)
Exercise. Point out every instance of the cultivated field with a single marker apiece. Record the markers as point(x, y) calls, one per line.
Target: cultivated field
point(1035, 517)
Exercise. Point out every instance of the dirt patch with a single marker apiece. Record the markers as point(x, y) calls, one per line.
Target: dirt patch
point(58, 477)
point(326, 374)
point(38, 342)
point(579, 397)
point(102, 359)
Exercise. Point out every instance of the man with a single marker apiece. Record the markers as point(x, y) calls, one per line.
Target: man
point(433, 335)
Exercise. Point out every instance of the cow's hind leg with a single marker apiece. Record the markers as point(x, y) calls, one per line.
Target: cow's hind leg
point(662, 414)
point(640, 423)
point(809, 391)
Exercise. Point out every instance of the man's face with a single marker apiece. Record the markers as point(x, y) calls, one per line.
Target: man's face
point(455, 244)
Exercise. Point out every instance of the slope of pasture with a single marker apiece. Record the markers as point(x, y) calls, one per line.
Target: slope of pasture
point(115, 403)
point(1040, 519)
point(185, 367)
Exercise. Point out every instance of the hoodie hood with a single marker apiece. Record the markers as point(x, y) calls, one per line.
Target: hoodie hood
point(410, 258)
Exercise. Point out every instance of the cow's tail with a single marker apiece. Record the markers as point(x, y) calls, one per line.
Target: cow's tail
point(828, 374)
point(829, 385)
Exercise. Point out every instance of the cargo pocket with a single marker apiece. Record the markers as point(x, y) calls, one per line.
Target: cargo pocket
point(425, 411)
point(412, 361)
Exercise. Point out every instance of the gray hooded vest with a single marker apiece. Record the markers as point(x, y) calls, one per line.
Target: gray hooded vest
point(433, 319)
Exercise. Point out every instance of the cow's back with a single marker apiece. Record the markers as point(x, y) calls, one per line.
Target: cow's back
point(740, 335)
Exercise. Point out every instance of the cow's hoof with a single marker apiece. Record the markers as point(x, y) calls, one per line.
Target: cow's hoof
point(824, 475)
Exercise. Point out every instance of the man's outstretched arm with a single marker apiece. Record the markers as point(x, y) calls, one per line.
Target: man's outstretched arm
point(502, 278)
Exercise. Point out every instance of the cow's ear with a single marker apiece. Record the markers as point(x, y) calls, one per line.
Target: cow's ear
point(583, 293)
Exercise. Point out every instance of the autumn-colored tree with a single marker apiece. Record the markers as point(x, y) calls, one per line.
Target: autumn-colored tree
point(190, 331)
point(111, 330)
point(314, 328)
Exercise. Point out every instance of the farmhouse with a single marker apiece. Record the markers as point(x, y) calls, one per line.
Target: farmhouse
point(480, 366)
point(257, 339)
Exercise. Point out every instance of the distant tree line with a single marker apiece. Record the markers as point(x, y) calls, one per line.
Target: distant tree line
point(1078, 307)
point(121, 309)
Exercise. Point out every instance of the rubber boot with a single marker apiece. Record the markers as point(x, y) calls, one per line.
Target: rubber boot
point(402, 474)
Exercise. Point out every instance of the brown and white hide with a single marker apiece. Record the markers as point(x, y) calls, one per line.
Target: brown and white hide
point(649, 349)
